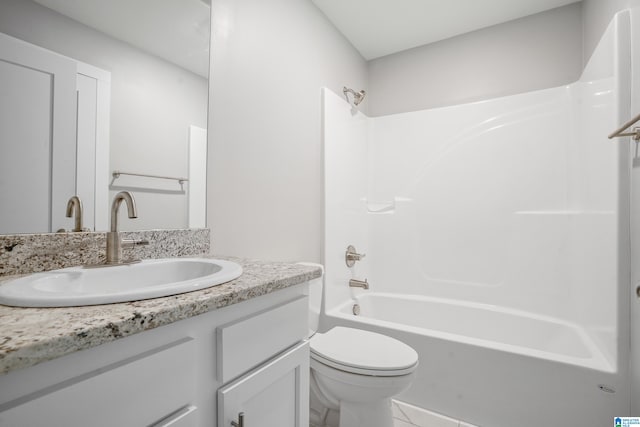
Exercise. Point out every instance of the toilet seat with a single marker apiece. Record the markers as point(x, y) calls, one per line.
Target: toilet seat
point(363, 352)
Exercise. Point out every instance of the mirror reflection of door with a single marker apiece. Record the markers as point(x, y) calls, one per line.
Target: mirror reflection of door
point(37, 122)
point(158, 90)
point(49, 128)
point(92, 144)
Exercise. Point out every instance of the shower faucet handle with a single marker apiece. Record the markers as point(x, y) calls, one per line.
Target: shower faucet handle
point(351, 256)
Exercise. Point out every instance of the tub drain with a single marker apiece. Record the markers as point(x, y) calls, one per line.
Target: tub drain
point(356, 309)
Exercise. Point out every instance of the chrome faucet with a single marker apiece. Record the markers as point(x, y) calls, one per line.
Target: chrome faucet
point(74, 208)
point(115, 243)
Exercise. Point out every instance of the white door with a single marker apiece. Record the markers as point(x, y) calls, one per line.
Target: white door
point(275, 394)
point(37, 137)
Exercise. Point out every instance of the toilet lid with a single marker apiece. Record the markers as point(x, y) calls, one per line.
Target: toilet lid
point(363, 352)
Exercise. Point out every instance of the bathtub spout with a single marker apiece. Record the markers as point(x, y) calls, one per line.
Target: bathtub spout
point(354, 283)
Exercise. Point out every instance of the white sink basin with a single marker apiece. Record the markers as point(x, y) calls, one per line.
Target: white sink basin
point(77, 286)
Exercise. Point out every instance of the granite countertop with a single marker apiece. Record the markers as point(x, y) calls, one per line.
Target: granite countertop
point(29, 336)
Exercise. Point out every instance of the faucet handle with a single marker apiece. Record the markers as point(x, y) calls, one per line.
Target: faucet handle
point(131, 243)
point(128, 243)
point(351, 256)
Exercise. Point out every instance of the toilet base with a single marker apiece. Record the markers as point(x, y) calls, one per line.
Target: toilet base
point(371, 414)
point(376, 414)
point(324, 413)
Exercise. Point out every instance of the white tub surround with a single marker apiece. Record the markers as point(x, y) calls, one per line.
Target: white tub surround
point(497, 242)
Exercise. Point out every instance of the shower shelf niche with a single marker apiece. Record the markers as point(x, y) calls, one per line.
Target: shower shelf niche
point(385, 206)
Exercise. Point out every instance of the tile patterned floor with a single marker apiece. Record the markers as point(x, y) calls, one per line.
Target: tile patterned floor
point(405, 415)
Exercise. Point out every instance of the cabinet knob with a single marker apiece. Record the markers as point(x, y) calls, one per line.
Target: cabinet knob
point(240, 422)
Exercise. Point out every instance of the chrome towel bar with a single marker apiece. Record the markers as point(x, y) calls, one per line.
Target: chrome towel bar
point(116, 174)
point(635, 132)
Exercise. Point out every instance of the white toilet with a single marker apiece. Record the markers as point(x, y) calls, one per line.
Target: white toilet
point(354, 373)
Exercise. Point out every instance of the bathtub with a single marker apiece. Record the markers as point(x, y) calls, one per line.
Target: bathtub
point(493, 366)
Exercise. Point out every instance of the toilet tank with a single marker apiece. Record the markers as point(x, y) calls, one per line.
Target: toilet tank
point(315, 299)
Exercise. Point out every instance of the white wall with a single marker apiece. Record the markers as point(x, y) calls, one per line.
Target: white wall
point(596, 15)
point(630, 295)
point(269, 62)
point(146, 91)
point(531, 53)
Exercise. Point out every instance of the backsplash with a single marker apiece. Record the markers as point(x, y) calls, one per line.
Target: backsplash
point(30, 253)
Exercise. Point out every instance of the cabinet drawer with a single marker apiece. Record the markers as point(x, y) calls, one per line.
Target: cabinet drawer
point(136, 391)
point(248, 342)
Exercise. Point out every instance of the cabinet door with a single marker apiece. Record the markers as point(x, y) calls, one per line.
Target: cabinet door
point(275, 394)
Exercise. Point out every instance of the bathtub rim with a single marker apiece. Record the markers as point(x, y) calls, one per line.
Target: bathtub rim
point(597, 361)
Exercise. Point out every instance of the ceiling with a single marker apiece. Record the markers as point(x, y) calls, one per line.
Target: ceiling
point(179, 30)
point(175, 30)
point(382, 27)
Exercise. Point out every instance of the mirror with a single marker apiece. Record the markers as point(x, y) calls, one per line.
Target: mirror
point(139, 72)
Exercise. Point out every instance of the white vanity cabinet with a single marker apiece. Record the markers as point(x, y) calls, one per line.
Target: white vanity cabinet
point(276, 392)
point(249, 357)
